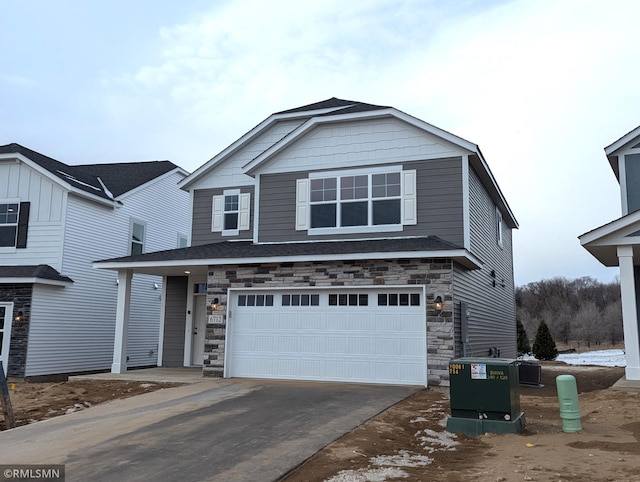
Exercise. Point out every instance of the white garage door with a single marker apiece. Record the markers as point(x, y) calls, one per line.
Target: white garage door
point(360, 335)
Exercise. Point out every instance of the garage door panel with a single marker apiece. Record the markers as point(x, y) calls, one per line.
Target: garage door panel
point(334, 342)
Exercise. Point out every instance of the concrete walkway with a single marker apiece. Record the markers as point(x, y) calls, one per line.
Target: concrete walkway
point(213, 430)
point(156, 374)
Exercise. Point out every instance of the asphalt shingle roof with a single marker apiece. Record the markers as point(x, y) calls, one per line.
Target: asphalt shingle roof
point(348, 106)
point(247, 249)
point(41, 271)
point(119, 178)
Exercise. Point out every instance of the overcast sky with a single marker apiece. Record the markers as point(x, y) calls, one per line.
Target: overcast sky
point(541, 86)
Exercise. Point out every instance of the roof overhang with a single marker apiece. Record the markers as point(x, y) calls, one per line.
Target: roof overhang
point(200, 266)
point(612, 150)
point(34, 280)
point(603, 242)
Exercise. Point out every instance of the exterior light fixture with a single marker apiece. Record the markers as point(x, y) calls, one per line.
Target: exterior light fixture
point(438, 303)
point(215, 304)
point(19, 317)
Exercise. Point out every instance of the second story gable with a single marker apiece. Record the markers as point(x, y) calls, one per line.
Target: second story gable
point(50, 210)
point(342, 169)
point(624, 158)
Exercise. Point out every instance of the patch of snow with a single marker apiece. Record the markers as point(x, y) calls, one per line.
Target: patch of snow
point(403, 459)
point(603, 358)
point(369, 475)
point(433, 441)
point(419, 419)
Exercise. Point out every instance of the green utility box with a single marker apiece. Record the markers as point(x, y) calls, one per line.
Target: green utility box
point(484, 396)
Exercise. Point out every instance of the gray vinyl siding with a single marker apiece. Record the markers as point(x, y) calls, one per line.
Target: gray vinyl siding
point(202, 211)
point(175, 315)
point(439, 197)
point(492, 322)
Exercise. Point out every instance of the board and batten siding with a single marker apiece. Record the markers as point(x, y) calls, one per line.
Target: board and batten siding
point(72, 328)
point(492, 321)
point(175, 314)
point(201, 223)
point(46, 216)
point(439, 209)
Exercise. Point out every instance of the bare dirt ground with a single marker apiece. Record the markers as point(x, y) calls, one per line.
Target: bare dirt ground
point(409, 442)
point(32, 402)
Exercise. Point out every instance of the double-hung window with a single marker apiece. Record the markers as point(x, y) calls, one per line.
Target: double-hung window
point(138, 229)
point(230, 212)
point(9, 224)
point(380, 199)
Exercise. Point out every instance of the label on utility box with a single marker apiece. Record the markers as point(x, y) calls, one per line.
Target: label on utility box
point(478, 371)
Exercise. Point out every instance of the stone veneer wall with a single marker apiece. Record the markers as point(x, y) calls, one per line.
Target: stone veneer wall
point(436, 274)
point(20, 295)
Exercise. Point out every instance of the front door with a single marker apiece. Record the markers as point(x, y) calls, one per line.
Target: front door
point(199, 329)
point(6, 310)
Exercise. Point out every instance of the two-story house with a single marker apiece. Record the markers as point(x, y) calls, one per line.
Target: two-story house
point(337, 241)
point(57, 313)
point(618, 242)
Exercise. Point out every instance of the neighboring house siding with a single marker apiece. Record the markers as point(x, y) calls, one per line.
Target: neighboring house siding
point(202, 212)
point(492, 308)
point(46, 215)
point(175, 310)
point(439, 194)
point(75, 325)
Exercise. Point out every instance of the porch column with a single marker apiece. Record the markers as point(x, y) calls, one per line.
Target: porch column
point(122, 322)
point(629, 312)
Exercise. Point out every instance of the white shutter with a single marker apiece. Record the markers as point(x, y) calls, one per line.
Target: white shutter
point(244, 207)
point(409, 198)
point(217, 213)
point(302, 204)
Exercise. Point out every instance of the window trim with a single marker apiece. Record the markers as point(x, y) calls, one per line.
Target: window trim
point(132, 222)
point(499, 228)
point(8, 201)
point(407, 199)
point(218, 212)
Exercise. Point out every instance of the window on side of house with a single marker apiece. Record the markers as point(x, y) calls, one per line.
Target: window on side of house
point(138, 234)
point(9, 214)
point(356, 201)
point(499, 228)
point(183, 240)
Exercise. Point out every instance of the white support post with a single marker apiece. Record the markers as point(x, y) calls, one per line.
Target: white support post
point(122, 322)
point(629, 312)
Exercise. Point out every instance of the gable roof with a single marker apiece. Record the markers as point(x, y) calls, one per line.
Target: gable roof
point(106, 181)
point(632, 137)
point(335, 109)
point(246, 252)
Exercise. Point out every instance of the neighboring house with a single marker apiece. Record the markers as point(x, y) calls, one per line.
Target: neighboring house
point(618, 242)
point(337, 241)
point(57, 313)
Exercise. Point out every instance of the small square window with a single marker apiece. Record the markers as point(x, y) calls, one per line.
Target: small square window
point(286, 300)
point(363, 300)
point(315, 300)
point(353, 300)
point(251, 300)
point(342, 300)
point(295, 300)
point(404, 299)
point(304, 300)
point(269, 300)
point(333, 300)
point(382, 299)
point(415, 299)
point(242, 300)
point(393, 299)
point(260, 300)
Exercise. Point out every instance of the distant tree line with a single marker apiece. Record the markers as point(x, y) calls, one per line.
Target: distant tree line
point(583, 310)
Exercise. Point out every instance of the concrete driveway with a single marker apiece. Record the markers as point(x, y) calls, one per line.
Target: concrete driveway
point(217, 430)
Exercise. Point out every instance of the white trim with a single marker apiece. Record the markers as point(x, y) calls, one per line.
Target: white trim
point(256, 208)
point(381, 228)
point(499, 226)
point(462, 256)
point(622, 171)
point(466, 209)
point(244, 211)
point(132, 221)
point(6, 335)
point(627, 138)
point(163, 301)
point(629, 312)
point(33, 280)
point(354, 172)
point(303, 195)
point(408, 197)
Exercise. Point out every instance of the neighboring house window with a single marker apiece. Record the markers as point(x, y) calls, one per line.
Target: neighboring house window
point(138, 233)
point(499, 227)
point(14, 223)
point(183, 240)
point(230, 212)
point(380, 199)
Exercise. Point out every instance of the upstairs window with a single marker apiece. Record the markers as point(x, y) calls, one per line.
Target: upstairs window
point(499, 227)
point(380, 199)
point(14, 222)
point(8, 224)
point(231, 212)
point(138, 229)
